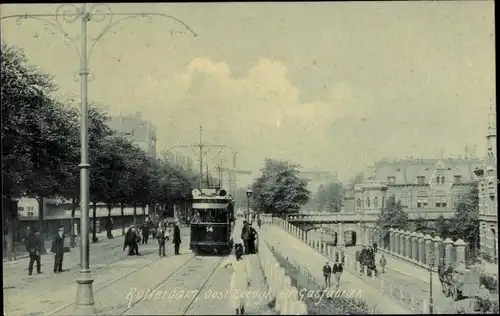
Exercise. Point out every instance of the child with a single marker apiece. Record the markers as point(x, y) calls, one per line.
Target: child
point(240, 279)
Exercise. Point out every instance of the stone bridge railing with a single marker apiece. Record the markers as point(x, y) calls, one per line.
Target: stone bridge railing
point(417, 250)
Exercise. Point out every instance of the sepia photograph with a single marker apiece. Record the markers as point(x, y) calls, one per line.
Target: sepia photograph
point(260, 158)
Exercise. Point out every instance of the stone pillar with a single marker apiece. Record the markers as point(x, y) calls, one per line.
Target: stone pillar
point(428, 249)
point(340, 236)
point(421, 248)
point(437, 250)
point(407, 244)
point(390, 247)
point(448, 248)
point(460, 247)
point(414, 246)
point(402, 243)
point(396, 241)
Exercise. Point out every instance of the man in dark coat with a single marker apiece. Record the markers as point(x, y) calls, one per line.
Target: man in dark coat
point(176, 239)
point(33, 246)
point(58, 250)
point(145, 231)
point(109, 227)
point(245, 236)
point(131, 239)
point(251, 241)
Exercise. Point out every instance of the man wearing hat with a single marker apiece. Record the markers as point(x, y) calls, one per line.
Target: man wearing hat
point(33, 246)
point(58, 250)
point(327, 273)
point(176, 238)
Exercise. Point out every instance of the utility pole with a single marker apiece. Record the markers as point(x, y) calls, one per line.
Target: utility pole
point(201, 157)
point(199, 149)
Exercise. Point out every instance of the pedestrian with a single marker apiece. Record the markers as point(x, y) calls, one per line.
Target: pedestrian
point(161, 235)
point(240, 279)
point(131, 242)
point(176, 238)
point(58, 250)
point(342, 258)
point(245, 236)
point(33, 246)
point(109, 227)
point(145, 231)
point(337, 270)
point(259, 221)
point(383, 263)
point(357, 256)
point(251, 241)
point(327, 273)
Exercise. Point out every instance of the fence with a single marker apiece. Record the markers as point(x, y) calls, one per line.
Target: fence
point(414, 303)
point(307, 283)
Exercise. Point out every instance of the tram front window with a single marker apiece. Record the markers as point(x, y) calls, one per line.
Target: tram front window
point(209, 216)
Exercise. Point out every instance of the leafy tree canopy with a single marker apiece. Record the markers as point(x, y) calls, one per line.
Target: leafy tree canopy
point(279, 189)
point(328, 198)
point(392, 215)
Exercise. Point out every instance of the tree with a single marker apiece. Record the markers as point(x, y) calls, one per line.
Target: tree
point(442, 227)
point(26, 113)
point(421, 225)
point(279, 190)
point(392, 215)
point(465, 220)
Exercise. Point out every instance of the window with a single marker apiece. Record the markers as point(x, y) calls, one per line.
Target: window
point(422, 199)
point(391, 180)
point(367, 202)
point(458, 179)
point(442, 179)
point(404, 200)
point(31, 209)
point(441, 201)
point(359, 203)
point(438, 179)
point(375, 202)
point(31, 214)
point(20, 209)
point(421, 180)
point(383, 202)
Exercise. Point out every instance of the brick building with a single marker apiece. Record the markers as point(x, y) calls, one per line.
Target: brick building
point(424, 186)
point(488, 203)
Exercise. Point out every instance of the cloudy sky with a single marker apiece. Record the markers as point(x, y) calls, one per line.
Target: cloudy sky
point(331, 86)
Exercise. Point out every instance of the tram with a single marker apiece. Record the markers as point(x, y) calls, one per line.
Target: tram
point(212, 222)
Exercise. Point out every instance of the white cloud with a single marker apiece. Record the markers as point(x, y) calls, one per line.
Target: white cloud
point(259, 114)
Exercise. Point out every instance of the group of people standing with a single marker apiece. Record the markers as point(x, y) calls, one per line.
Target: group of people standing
point(249, 236)
point(161, 230)
point(35, 247)
point(366, 259)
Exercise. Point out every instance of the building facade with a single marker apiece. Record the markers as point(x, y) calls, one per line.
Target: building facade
point(424, 186)
point(179, 160)
point(487, 187)
point(140, 131)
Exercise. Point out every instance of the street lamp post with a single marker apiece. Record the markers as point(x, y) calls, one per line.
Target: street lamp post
point(431, 299)
point(249, 195)
point(69, 13)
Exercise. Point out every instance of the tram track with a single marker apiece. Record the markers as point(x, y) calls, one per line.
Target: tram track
point(142, 267)
point(47, 293)
point(196, 266)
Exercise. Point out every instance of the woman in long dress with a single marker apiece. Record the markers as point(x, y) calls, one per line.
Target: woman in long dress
point(240, 279)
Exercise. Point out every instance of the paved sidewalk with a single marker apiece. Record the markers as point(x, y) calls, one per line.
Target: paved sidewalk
point(44, 293)
point(48, 244)
point(314, 261)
